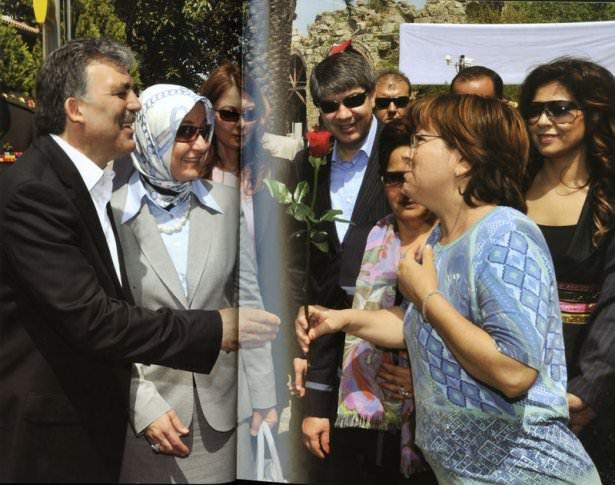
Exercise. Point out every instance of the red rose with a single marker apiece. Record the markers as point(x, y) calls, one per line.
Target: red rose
point(319, 143)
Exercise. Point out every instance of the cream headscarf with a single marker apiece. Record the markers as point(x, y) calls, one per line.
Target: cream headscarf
point(163, 107)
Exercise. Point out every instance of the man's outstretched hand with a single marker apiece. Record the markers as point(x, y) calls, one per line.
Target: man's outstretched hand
point(247, 328)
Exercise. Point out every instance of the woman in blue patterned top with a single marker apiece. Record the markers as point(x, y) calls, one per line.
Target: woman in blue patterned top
point(482, 327)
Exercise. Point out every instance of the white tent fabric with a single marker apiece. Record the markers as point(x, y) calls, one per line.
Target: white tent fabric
point(511, 50)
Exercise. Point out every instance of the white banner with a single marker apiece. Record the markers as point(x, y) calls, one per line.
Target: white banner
point(511, 50)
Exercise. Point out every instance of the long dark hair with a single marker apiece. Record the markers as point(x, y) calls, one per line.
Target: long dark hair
point(593, 88)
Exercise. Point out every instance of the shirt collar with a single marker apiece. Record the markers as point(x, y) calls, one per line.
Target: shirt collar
point(366, 148)
point(87, 168)
point(136, 196)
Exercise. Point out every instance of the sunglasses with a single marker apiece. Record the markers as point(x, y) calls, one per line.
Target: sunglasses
point(557, 111)
point(248, 115)
point(189, 133)
point(393, 179)
point(351, 101)
point(399, 102)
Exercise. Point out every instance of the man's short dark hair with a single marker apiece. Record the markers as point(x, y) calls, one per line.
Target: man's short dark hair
point(394, 74)
point(476, 72)
point(63, 75)
point(340, 72)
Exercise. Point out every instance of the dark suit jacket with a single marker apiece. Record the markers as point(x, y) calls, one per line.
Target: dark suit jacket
point(69, 331)
point(590, 349)
point(339, 267)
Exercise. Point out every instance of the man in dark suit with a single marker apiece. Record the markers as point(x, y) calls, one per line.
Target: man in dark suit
point(342, 86)
point(68, 329)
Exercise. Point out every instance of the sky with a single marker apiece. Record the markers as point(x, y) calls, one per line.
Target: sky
point(308, 9)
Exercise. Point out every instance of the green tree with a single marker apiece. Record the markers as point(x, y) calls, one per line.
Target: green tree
point(18, 62)
point(97, 18)
point(21, 10)
point(539, 12)
point(22, 56)
point(181, 41)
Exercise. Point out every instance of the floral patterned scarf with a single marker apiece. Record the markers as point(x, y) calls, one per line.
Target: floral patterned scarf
point(362, 402)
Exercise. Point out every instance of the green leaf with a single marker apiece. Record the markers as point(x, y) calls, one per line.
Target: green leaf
point(300, 211)
point(330, 215)
point(322, 246)
point(339, 219)
point(301, 190)
point(278, 191)
point(318, 236)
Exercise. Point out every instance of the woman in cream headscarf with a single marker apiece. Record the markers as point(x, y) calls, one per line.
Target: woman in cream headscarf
point(179, 238)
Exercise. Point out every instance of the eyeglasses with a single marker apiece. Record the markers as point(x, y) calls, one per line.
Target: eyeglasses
point(249, 115)
point(558, 112)
point(399, 102)
point(417, 139)
point(350, 101)
point(393, 179)
point(189, 133)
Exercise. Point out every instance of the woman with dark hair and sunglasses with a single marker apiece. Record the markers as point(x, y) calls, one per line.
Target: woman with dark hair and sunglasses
point(482, 328)
point(569, 108)
point(238, 159)
point(179, 239)
point(238, 106)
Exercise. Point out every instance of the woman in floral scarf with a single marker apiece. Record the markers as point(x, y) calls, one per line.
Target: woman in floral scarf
point(375, 411)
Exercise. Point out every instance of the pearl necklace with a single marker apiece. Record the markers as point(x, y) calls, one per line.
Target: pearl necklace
point(176, 225)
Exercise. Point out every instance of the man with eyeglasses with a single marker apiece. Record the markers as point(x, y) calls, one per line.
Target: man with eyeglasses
point(392, 95)
point(342, 87)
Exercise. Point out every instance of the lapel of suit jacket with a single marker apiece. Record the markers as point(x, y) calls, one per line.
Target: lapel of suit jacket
point(120, 254)
point(371, 186)
point(148, 237)
point(78, 192)
point(199, 246)
point(370, 190)
point(323, 201)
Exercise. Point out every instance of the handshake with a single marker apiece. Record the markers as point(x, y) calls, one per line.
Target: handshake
point(247, 328)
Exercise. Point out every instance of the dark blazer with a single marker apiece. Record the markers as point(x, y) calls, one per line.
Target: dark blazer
point(69, 331)
point(339, 267)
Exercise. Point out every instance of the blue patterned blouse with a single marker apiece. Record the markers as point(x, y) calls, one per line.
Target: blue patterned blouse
point(498, 275)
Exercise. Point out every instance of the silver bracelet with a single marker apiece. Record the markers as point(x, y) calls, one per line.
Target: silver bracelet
point(426, 299)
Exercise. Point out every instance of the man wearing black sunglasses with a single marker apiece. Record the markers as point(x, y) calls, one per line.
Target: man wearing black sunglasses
point(392, 95)
point(342, 87)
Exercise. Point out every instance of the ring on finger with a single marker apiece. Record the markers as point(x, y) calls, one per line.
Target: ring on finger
point(155, 447)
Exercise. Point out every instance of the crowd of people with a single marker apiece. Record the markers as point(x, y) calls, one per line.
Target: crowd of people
point(503, 311)
point(152, 290)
